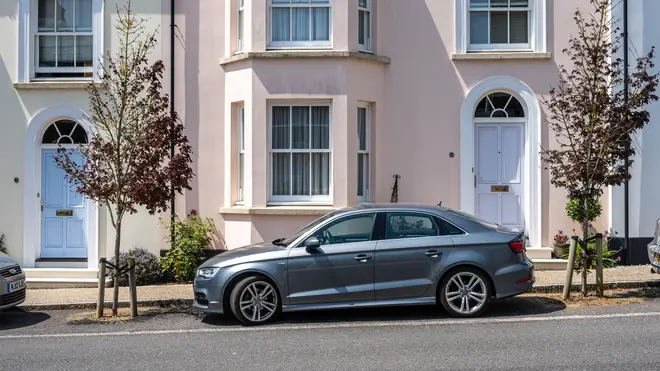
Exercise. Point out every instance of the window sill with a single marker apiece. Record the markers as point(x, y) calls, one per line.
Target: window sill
point(279, 210)
point(54, 85)
point(304, 54)
point(500, 55)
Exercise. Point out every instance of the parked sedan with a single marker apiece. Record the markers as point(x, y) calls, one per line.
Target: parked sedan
point(12, 283)
point(370, 256)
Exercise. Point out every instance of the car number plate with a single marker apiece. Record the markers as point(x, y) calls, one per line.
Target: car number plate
point(14, 286)
point(657, 258)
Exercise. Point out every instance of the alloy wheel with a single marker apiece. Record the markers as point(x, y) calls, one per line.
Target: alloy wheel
point(466, 293)
point(258, 301)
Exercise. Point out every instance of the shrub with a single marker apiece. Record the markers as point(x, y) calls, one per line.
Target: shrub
point(192, 236)
point(575, 209)
point(608, 255)
point(3, 248)
point(147, 267)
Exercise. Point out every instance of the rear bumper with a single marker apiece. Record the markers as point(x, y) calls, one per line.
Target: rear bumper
point(514, 280)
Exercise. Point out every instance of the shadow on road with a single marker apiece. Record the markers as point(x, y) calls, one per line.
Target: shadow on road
point(18, 318)
point(518, 306)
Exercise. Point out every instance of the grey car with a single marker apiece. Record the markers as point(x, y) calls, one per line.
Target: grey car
point(371, 255)
point(12, 283)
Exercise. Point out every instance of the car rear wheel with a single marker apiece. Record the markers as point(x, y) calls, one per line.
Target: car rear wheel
point(465, 292)
point(255, 301)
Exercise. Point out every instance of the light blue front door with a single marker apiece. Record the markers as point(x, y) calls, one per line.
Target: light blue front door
point(63, 224)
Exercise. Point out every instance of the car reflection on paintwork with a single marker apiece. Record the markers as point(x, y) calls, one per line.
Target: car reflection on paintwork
point(370, 255)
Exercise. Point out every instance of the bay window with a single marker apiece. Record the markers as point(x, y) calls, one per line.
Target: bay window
point(300, 23)
point(240, 24)
point(300, 153)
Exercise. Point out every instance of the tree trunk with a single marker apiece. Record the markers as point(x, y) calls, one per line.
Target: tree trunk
point(115, 294)
point(585, 245)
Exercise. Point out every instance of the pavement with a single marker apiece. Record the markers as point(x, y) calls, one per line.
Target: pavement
point(516, 334)
point(174, 294)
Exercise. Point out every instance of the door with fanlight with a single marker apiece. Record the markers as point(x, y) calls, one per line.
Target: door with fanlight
point(499, 173)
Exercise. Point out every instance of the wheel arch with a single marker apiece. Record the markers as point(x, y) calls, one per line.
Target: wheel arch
point(237, 277)
point(456, 267)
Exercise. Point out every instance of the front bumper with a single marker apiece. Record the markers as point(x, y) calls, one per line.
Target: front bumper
point(12, 299)
point(208, 298)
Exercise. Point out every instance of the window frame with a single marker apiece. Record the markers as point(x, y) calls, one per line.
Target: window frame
point(537, 30)
point(240, 180)
point(368, 30)
point(367, 176)
point(311, 44)
point(29, 54)
point(240, 26)
point(299, 199)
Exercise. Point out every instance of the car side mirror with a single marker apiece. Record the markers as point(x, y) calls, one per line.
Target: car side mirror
point(311, 244)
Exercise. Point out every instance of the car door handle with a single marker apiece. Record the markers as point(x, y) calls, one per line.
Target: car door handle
point(362, 258)
point(433, 253)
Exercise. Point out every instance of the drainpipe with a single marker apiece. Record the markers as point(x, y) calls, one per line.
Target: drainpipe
point(626, 207)
point(172, 195)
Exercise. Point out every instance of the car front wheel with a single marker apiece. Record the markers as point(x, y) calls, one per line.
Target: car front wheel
point(255, 301)
point(465, 293)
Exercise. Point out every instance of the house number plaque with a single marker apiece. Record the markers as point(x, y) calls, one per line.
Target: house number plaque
point(64, 213)
point(499, 188)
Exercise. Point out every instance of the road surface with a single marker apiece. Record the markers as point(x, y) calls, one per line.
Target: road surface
point(603, 338)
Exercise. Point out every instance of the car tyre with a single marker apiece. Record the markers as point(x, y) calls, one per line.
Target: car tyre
point(465, 292)
point(255, 301)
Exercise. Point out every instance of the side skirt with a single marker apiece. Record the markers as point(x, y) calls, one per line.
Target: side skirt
point(361, 304)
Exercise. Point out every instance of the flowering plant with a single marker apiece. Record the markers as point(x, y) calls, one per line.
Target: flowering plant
point(560, 238)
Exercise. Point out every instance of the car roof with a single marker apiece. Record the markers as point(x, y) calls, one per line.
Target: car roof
point(396, 206)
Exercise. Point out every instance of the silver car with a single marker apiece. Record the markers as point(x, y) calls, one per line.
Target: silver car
point(12, 283)
point(370, 256)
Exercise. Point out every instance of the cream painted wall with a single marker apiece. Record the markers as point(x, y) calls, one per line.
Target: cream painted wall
point(19, 105)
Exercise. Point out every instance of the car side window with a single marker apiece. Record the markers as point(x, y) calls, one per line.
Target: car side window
point(409, 225)
point(449, 229)
point(358, 228)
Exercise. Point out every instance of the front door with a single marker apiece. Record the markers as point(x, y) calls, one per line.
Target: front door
point(341, 269)
point(499, 173)
point(63, 224)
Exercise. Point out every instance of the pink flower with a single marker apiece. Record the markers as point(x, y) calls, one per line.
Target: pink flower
point(193, 211)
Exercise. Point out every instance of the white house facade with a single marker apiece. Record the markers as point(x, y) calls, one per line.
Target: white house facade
point(50, 50)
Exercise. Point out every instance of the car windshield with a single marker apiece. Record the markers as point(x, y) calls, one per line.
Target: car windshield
point(475, 219)
point(287, 241)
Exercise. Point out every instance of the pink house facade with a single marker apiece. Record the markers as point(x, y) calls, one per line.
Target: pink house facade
point(301, 107)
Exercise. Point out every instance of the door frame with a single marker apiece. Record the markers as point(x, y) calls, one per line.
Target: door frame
point(502, 122)
point(32, 186)
point(532, 177)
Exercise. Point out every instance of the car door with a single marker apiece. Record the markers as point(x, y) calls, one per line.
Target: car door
point(410, 255)
point(341, 269)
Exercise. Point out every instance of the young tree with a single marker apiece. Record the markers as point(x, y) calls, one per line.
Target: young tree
point(127, 162)
point(589, 116)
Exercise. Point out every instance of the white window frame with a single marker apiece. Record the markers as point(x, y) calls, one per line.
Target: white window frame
point(366, 47)
point(289, 200)
point(240, 180)
point(240, 26)
point(28, 55)
point(367, 151)
point(319, 44)
point(537, 30)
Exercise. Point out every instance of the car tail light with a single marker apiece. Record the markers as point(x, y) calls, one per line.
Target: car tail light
point(517, 245)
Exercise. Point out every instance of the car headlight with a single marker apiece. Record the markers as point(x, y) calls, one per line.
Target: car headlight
point(206, 272)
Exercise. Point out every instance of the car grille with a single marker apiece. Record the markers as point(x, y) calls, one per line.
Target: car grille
point(12, 297)
point(7, 271)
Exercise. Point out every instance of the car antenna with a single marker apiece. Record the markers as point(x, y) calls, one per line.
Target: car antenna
point(439, 204)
